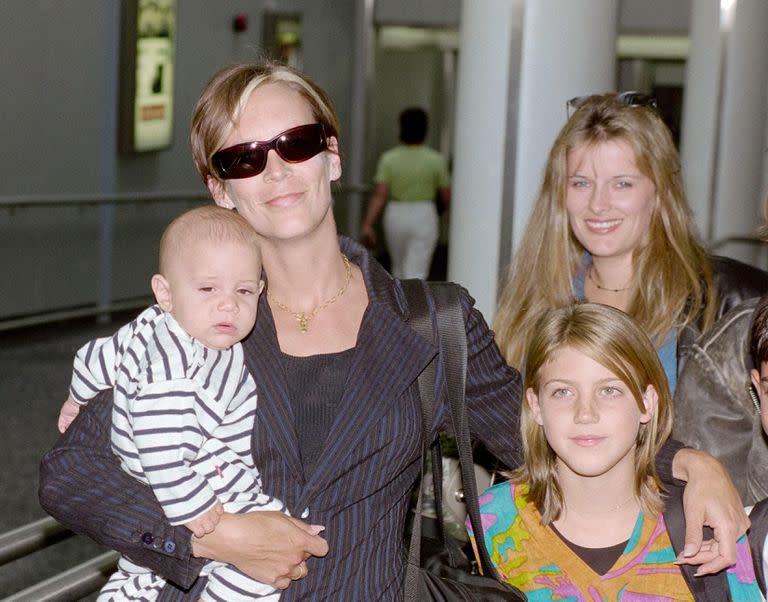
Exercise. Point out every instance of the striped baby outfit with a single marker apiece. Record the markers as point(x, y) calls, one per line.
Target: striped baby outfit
point(182, 422)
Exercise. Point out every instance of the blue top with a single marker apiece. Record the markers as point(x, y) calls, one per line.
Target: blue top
point(667, 352)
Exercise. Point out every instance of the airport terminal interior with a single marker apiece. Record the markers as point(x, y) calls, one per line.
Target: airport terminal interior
point(96, 161)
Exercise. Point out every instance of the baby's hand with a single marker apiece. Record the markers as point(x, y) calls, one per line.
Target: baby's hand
point(68, 413)
point(206, 522)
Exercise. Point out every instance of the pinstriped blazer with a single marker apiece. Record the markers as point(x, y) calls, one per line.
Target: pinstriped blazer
point(360, 486)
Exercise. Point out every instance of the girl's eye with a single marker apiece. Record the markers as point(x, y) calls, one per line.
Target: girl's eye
point(623, 184)
point(561, 392)
point(611, 391)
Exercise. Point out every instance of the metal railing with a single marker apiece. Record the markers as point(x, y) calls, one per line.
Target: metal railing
point(79, 581)
point(105, 304)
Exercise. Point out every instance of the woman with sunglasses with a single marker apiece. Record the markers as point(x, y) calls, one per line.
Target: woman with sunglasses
point(337, 432)
point(612, 225)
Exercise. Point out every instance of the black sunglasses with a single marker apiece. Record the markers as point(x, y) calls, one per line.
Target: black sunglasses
point(250, 158)
point(630, 99)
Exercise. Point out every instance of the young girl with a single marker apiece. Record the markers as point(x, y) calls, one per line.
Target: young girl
point(585, 518)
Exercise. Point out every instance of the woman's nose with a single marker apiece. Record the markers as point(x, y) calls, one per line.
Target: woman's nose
point(600, 200)
point(276, 168)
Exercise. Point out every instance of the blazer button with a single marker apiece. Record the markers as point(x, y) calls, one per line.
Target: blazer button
point(169, 547)
point(147, 538)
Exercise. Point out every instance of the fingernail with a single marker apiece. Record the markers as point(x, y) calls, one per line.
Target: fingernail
point(689, 550)
point(317, 529)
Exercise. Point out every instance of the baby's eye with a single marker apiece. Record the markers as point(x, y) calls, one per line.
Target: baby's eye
point(206, 289)
point(245, 291)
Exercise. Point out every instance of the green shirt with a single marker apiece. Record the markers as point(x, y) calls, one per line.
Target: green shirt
point(412, 172)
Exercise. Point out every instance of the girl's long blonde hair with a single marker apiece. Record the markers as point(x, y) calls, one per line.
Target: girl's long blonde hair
point(672, 282)
point(616, 341)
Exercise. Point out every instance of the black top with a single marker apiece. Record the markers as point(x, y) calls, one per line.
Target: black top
point(599, 560)
point(315, 386)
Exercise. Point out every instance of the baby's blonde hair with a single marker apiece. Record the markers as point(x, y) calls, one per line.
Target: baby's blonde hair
point(209, 222)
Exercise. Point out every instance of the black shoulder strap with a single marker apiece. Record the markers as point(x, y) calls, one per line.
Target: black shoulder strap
point(757, 534)
point(708, 588)
point(451, 338)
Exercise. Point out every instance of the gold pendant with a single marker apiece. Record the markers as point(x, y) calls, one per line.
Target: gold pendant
point(303, 322)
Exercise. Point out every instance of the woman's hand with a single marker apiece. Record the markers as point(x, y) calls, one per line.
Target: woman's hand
point(270, 547)
point(710, 499)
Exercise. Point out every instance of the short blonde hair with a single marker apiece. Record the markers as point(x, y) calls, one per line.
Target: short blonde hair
point(223, 98)
point(209, 222)
point(614, 340)
point(672, 284)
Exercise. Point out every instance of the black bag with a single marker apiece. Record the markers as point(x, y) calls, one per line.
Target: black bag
point(440, 571)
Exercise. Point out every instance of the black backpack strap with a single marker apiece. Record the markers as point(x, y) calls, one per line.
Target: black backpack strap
point(757, 534)
point(452, 341)
point(707, 588)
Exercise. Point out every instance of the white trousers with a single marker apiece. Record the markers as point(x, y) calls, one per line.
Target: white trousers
point(411, 231)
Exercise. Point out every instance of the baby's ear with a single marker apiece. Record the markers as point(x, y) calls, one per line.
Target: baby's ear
point(162, 291)
point(261, 286)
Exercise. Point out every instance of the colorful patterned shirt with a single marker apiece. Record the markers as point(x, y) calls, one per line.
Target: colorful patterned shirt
point(533, 558)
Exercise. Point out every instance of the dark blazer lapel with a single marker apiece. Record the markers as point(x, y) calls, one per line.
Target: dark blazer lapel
point(388, 358)
point(273, 409)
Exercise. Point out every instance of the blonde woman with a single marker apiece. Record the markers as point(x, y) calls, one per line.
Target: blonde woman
point(584, 517)
point(612, 225)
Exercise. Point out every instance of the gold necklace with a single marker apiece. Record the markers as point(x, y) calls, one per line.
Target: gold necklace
point(604, 288)
point(303, 318)
point(608, 511)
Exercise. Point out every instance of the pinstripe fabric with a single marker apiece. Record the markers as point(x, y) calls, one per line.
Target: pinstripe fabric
point(361, 484)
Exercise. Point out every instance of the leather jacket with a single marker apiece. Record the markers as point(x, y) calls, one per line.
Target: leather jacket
point(716, 409)
point(735, 282)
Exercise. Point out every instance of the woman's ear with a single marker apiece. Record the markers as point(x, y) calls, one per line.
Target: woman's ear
point(218, 192)
point(650, 401)
point(334, 160)
point(533, 403)
point(162, 291)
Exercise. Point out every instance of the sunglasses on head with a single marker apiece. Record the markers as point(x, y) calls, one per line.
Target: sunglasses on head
point(250, 158)
point(630, 99)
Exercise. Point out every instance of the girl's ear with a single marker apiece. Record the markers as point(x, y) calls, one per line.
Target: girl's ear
point(334, 161)
point(650, 401)
point(533, 403)
point(162, 291)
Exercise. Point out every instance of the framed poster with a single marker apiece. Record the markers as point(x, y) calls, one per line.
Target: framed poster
point(282, 38)
point(146, 66)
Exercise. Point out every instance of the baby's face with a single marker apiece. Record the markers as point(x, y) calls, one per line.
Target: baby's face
point(215, 290)
point(760, 380)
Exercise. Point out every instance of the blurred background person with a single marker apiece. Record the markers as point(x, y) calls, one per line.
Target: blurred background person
point(412, 182)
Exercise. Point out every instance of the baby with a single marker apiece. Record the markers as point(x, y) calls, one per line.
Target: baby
point(184, 402)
